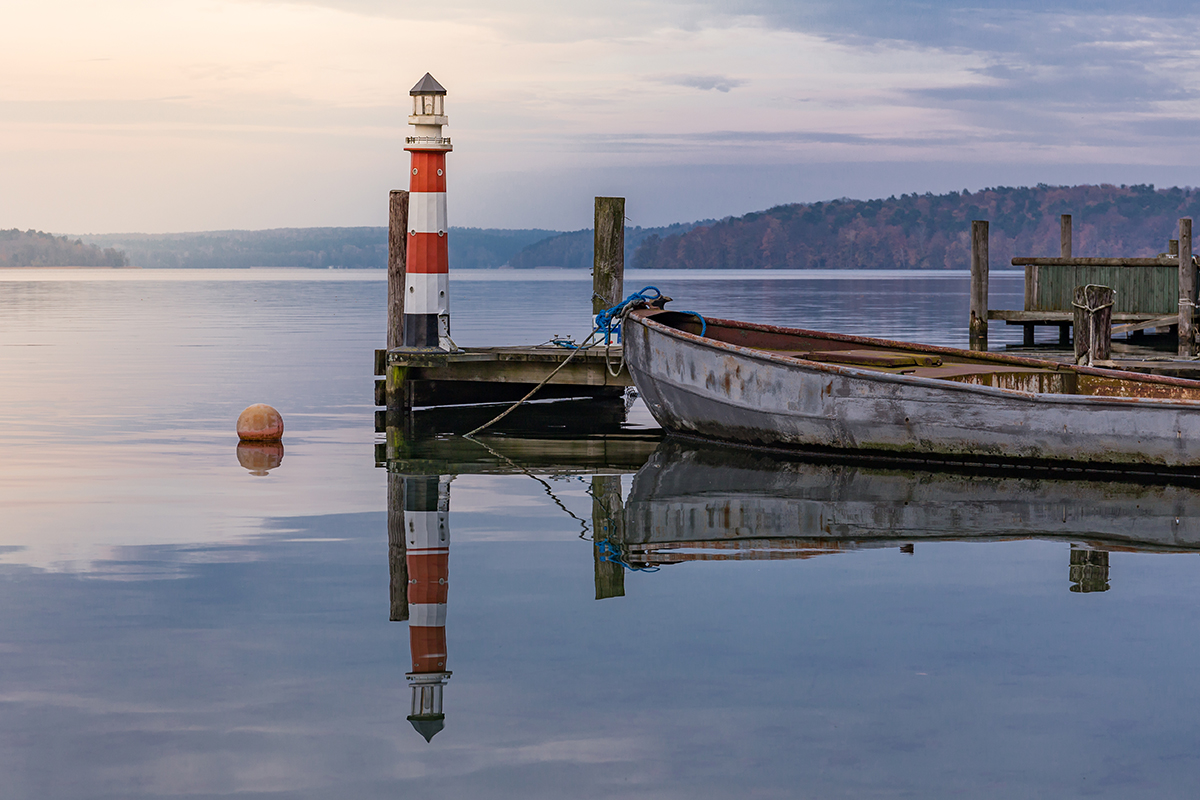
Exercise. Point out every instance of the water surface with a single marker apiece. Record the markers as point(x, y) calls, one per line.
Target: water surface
point(177, 626)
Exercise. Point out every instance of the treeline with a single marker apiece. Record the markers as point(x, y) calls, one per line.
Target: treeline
point(37, 249)
point(929, 231)
point(575, 250)
point(347, 248)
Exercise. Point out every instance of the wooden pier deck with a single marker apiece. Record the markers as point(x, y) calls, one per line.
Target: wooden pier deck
point(1148, 293)
point(501, 374)
point(409, 378)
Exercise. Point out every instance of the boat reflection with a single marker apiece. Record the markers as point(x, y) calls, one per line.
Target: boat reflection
point(710, 502)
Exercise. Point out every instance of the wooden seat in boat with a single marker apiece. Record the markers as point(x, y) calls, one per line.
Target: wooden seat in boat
point(887, 359)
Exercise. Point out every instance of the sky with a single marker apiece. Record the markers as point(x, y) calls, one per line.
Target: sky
point(174, 115)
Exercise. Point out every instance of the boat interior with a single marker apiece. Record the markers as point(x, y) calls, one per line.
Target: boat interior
point(962, 366)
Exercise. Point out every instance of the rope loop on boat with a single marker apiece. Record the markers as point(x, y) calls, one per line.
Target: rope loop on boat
point(612, 554)
point(697, 315)
point(609, 320)
point(1100, 307)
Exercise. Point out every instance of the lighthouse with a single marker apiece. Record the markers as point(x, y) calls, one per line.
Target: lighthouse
point(427, 539)
point(427, 266)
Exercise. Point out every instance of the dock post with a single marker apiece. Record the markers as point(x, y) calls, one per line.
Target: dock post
point(608, 264)
point(397, 392)
point(397, 550)
point(1093, 324)
point(396, 265)
point(979, 284)
point(1187, 291)
point(608, 525)
point(1065, 247)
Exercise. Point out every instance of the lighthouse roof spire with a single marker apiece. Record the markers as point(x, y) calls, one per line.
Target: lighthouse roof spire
point(427, 85)
point(429, 726)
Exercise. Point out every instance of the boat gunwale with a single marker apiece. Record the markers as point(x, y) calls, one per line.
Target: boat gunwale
point(646, 317)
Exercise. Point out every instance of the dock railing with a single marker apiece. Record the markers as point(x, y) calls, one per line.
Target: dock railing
point(1154, 292)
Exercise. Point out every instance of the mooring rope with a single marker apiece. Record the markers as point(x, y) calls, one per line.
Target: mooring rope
point(604, 323)
point(545, 486)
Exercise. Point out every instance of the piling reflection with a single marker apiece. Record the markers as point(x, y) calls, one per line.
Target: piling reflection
point(608, 532)
point(1089, 570)
point(260, 457)
point(701, 502)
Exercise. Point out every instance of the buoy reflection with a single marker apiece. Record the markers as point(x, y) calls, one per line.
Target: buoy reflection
point(260, 457)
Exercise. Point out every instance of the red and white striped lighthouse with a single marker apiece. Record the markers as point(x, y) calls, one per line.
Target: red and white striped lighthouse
point(427, 536)
point(427, 268)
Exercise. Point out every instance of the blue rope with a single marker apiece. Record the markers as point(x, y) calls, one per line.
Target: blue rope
point(612, 554)
point(703, 324)
point(605, 319)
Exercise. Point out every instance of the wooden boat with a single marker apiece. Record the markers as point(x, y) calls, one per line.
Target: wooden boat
point(783, 387)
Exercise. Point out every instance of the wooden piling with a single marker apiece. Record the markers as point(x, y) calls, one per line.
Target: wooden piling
point(608, 264)
point(1066, 246)
point(1093, 324)
point(1187, 291)
point(608, 525)
point(979, 285)
point(397, 548)
point(397, 392)
point(397, 260)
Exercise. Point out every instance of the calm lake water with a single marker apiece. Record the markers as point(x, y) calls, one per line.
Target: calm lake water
point(174, 625)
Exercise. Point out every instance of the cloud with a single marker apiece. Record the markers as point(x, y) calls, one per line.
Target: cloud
point(703, 82)
point(315, 91)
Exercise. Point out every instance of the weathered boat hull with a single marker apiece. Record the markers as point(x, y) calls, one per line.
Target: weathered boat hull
point(694, 500)
point(716, 389)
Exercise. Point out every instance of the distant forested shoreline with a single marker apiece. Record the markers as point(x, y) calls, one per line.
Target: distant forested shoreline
point(913, 231)
point(929, 231)
point(37, 249)
point(319, 248)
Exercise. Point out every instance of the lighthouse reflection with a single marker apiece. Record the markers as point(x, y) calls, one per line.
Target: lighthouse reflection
point(419, 561)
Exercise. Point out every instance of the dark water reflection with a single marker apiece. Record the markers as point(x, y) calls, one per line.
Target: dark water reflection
point(620, 617)
point(944, 650)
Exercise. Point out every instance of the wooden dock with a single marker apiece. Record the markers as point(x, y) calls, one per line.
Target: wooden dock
point(1147, 295)
point(498, 375)
point(410, 378)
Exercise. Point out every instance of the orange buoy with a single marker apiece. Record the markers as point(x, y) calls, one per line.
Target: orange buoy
point(260, 423)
